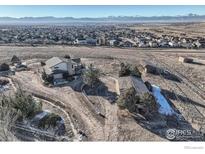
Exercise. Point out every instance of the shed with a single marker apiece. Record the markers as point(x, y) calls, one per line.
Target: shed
point(185, 60)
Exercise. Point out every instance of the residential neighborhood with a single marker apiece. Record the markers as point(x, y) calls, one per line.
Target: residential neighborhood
point(94, 35)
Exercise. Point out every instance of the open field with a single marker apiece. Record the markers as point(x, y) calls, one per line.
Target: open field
point(188, 96)
point(191, 30)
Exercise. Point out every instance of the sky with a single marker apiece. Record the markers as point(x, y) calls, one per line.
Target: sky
point(98, 10)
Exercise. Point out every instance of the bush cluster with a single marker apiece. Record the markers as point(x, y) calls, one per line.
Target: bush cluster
point(50, 120)
point(127, 69)
point(136, 103)
point(91, 76)
point(24, 103)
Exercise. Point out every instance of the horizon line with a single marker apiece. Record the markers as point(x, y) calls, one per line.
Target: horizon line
point(137, 16)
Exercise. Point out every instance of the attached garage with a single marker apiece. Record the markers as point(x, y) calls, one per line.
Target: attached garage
point(58, 76)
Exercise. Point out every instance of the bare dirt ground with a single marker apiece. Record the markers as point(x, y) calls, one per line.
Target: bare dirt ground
point(187, 96)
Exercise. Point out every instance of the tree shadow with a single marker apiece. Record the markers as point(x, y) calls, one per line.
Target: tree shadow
point(100, 90)
point(167, 75)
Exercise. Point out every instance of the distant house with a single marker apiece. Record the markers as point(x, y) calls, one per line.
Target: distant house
point(173, 44)
point(128, 43)
point(164, 44)
point(91, 41)
point(197, 44)
point(60, 68)
point(202, 43)
point(142, 44)
point(153, 44)
point(112, 42)
point(81, 41)
point(87, 41)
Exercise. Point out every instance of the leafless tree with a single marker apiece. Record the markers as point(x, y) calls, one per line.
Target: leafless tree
point(8, 116)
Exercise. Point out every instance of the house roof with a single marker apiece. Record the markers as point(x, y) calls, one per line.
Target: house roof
point(131, 81)
point(57, 60)
point(54, 61)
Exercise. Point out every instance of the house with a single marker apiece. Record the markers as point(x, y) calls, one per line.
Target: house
point(128, 43)
point(59, 69)
point(131, 81)
point(87, 41)
point(202, 43)
point(91, 41)
point(196, 44)
point(112, 42)
point(142, 45)
point(81, 41)
point(101, 41)
point(153, 44)
point(173, 44)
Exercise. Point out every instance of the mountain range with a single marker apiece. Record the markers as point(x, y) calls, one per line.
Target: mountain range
point(110, 19)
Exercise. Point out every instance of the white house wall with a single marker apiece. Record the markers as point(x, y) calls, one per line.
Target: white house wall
point(70, 68)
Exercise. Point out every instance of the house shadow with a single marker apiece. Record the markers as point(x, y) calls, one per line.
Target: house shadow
point(167, 126)
point(170, 76)
point(100, 90)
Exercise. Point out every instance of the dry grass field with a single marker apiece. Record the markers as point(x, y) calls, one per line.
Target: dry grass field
point(191, 30)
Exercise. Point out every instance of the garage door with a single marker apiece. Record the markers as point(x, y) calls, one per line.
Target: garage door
point(58, 76)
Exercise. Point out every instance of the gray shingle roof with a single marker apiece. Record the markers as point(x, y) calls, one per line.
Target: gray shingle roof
point(54, 61)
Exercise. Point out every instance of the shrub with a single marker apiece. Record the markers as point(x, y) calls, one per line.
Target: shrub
point(124, 70)
point(135, 72)
point(150, 102)
point(8, 117)
point(67, 57)
point(133, 102)
point(129, 100)
point(127, 69)
point(26, 104)
point(4, 81)
point(50, 120)
point(46, 78)
point(91, 76)
point(43, 63)
point(4, 67)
